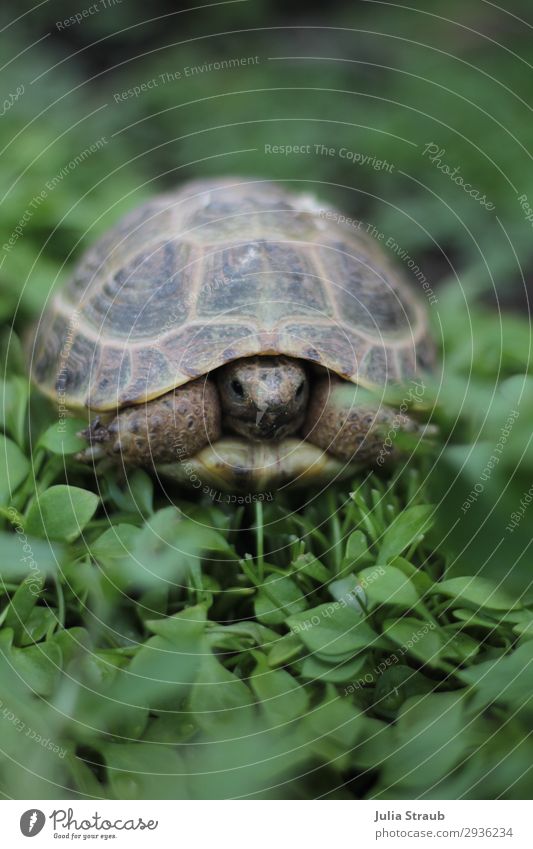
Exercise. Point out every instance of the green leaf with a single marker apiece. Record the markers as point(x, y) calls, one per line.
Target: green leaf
point(40, 621)
point(168, 662)
point(408, 526)
point(14, 468)
point(240, 636)
point(282, 698)
point(278, 598)
point(61, 437)
point(26, 557)
point(284, 650)
point(506, 680)
point(176, 629)
point(72, 642)
point(61, 512)
point(163, 550)
point(159, 677)
point(316, 669)
point(83, 776)
point(356, 548)
point(38, 666)
point(431, 738)
point(415, 637)
point(479, 592)
point(141, 490)
point(136, 496)
point(333, 630)
point(219, 698)
point(22, 604)
point(14, 397)
point(308, 564)
point(388, 585)
point(114, 551)
point(474, 619)
point(167, 547)
point(333, 728)
point(395, 685)
point(172, 727)
point(115, 543)
point(459, 647)
point(144, 772)
point(524, 630)
point(349, 590)
point(418, 578)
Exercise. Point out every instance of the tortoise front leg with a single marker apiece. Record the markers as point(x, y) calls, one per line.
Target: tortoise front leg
point(349, 429)
point(170, 428)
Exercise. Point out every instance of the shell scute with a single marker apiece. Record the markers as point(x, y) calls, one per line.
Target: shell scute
point(367, 296)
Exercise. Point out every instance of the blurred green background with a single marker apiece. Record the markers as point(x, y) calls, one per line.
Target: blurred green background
point(374, 78)
point(100, 113)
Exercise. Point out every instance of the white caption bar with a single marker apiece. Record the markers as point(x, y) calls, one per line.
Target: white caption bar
point(263, 825)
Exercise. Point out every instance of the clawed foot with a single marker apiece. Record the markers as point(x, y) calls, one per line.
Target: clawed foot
point(97, 434)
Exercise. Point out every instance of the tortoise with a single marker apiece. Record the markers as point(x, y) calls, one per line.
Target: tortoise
point(214, 332)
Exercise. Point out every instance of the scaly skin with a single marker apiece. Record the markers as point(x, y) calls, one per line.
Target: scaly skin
point(185, 432)
point(165, 430)
point(348, 429)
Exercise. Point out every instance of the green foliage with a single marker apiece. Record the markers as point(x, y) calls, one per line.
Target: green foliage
point(344, 635)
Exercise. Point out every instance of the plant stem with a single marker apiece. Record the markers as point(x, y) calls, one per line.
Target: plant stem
point(259, 538)
point(60, 602)
point(335, 533)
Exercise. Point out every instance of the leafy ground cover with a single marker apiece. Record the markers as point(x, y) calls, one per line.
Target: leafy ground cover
point(164, 644)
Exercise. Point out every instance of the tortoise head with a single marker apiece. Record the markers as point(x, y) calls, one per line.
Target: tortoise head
point(263, 398)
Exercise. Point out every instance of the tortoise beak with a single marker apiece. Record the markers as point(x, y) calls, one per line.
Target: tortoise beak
point(268, 431)
point(268, 420)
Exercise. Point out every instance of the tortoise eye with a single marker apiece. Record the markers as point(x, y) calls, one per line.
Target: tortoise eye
point(300, 389)
point(236, 385)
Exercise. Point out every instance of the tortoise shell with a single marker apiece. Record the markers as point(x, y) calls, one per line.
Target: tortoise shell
point(222, 269)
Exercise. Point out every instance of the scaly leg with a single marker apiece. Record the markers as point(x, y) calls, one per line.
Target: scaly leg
point(350, 429)
point(170, 428)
